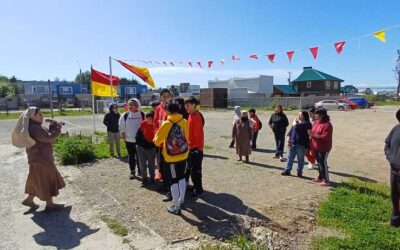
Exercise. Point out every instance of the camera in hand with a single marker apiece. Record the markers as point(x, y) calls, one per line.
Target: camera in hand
point(52, 120)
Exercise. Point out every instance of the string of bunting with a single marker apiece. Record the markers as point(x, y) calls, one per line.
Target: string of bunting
point(339, 46)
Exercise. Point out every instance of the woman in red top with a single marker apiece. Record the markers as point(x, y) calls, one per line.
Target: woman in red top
point(196, 144)
point(321, 142)
point(256, 127)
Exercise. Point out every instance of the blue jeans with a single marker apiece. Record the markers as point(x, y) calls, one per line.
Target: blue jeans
point(300, 151)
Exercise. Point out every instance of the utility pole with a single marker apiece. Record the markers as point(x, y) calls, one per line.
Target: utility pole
point(397, 73)
point(51, 100)
point(80, 82)
point(290, 74)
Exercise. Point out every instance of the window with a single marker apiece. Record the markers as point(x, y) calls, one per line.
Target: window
point(130, 90)
point(40, 89)
point(327, 85)
point(335, 85)
point(309, 85)
point(84, 91)
point(66, 90)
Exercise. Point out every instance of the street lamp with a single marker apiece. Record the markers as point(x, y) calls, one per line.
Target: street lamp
point(80, 80)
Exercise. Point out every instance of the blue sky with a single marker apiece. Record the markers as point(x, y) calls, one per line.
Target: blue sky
point(44, 39)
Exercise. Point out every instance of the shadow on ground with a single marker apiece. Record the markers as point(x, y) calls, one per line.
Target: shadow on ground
point(60, 230)
point(218, 214)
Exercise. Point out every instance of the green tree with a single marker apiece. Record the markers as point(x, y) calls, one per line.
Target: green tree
point(13, 79)
point(126, 81)
point(83, 77)
point(8, 90)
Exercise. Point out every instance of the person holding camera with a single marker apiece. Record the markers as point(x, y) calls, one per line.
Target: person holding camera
point(44, 181)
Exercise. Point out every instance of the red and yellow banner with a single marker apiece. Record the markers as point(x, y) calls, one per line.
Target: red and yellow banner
point(101, 84)
point(142, 73)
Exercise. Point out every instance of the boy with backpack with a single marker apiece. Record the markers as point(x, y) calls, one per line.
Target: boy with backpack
point(129, 124)
point(196, 144)
point(257, 126)
point(146, 148)
point(174, 136)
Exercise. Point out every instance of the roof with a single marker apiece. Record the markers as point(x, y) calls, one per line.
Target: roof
point(310, 74)
point(344, 90)
point(286, 89)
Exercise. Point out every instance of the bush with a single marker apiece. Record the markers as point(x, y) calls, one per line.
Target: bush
point(76, 149)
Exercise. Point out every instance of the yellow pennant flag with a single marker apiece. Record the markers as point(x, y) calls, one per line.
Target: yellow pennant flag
point(380, 35)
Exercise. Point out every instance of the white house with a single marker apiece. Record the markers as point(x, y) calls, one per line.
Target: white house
point(262, 85)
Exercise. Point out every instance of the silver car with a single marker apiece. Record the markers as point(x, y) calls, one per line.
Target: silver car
point(331, 105)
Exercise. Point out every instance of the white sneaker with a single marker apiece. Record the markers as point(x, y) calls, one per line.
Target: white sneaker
point(310, 166)
point(315, 166)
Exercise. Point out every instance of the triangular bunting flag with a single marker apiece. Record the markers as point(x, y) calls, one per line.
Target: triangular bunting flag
point(254, 56)
point(235, 58)
point(199, 63)
point(339, 47)
point(271, 57)
point(314, 52)
point(210, 63)
point(380, 35)
point(290, 55)
point(172, 64)
point(190, 64)
point(158, 62)
point(165, 64)
point(222, 62)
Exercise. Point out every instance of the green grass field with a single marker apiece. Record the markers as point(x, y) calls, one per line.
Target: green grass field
point(361, 211)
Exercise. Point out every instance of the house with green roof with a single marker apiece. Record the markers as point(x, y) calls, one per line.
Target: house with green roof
point(316, 83)
point(348, 90)
point(284, 90)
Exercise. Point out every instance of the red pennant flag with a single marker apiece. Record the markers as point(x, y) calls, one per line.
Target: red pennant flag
point(190, 64)
point(210, 63)
point(150, 62)
point(158, 62)
point(254, 56)
point(222, 63)
point(339, 47)
point(172, 64)
point(314, 52)
point(144, 62)
point(271, 57)
point(290, 55)
point(199, 63)
point(165, 64)
point(235, 58)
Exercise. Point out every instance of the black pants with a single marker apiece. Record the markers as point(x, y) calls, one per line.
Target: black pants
point(322, 158)
point(279, 142)
point(395, 194)
point(195, 170)
point(175, 171)
point(132, 155)
point(254, 140)
point(163, 168)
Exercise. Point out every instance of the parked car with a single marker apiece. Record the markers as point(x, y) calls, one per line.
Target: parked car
point(331, 105)
point(350, 104)
point(121, 103)
point(361, 101)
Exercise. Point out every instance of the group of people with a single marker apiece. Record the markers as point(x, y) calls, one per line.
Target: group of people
point(309, 136)
point(165, 144)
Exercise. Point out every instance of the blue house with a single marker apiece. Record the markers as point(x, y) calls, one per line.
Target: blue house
point(129, 91)
point(70, 90)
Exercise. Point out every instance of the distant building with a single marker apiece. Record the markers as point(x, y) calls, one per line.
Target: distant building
point(260, 85)
point(131, 91)
point(285, 90)
point(316, 83)
point(348, 90)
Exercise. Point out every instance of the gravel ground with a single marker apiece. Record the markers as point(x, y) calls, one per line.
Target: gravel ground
point(239, 197)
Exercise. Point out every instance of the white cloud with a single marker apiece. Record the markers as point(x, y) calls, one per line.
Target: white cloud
point(174, 75)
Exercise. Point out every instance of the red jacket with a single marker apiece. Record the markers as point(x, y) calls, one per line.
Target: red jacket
point(147, 130)
point(196, 131)
point(257, 124)
point(322, 139)
point(159, 116)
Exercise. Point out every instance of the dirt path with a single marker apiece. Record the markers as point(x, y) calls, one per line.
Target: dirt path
point(238, 196)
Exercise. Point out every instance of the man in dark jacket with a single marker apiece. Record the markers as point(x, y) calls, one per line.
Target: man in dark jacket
point(278, 123)
point(392, 152)
point(111, 120)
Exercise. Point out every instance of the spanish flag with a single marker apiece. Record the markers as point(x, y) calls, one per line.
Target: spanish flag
point(143, 73)
point(101, 84)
